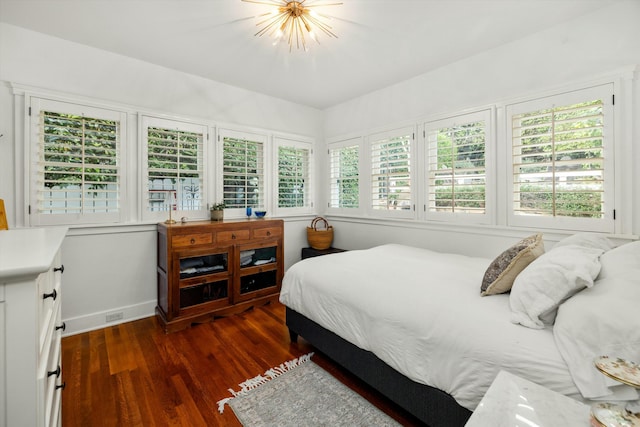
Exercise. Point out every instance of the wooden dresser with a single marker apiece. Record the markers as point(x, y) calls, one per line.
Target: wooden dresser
point(210, 268)
point(30, 326)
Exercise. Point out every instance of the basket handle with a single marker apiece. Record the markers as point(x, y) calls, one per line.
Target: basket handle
point(316, 220)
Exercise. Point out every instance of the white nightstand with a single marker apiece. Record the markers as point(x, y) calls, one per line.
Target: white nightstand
point(512, 401)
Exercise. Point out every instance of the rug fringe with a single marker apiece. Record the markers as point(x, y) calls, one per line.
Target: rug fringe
point(269, 374)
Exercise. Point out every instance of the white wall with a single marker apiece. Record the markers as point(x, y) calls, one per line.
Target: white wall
point(590, 46)
point(113, 269)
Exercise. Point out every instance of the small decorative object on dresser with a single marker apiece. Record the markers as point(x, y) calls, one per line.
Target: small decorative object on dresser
point(208, 269)
point(217, 211)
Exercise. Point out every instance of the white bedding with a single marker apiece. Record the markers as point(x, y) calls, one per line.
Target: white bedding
point(421, 312)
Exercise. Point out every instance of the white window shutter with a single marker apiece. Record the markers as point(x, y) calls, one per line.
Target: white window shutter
point(344, 175)
point(391, 174)
point(561, 150)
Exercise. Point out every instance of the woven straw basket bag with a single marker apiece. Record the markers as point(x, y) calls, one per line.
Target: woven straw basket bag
point(320, 238)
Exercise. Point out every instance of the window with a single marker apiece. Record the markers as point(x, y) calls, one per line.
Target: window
point(344, 175)
point(391, 173)
point(562, 157)
point(456, 159)
point(174, 163)
point(294, 173)
point(242, 170)
point(76, 173)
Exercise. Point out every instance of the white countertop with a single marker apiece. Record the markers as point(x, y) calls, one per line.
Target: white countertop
point(512, 401)
point(28, 252)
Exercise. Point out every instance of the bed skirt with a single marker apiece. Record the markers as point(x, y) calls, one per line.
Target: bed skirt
point(430, 405)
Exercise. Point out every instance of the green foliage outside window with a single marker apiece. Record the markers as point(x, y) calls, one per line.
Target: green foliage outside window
point(79, 151)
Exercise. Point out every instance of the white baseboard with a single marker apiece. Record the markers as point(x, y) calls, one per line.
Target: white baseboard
point(93, 321)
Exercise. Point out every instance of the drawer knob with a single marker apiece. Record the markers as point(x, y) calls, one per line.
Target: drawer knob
point(57, 372)
point(53, 295)
point(233, 236)
point(60, 269)
point(193, 241)
point(61, 386)
point(268, 233)
point(63, 326)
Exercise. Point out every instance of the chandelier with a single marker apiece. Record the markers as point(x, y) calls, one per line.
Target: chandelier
point(293, 21)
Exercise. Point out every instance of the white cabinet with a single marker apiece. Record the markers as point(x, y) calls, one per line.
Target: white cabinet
point(30, 326)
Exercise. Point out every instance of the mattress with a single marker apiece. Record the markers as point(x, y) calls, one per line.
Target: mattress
point(421, 312)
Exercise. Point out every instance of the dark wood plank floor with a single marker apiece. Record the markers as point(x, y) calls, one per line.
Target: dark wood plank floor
point(134, 374)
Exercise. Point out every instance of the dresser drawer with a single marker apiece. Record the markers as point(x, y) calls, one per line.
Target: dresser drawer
point(51, 331)
point(49, 377)
point(187, 240)
point(267, 232)
point(47, 299)
point(232, 236)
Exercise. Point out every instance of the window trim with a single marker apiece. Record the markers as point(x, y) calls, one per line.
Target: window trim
point(34, 105)
point(605, 90)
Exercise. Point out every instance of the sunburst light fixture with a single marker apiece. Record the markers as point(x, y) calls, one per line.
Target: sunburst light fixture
point(293, 21)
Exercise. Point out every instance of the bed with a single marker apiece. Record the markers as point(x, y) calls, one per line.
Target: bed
point(418, 326)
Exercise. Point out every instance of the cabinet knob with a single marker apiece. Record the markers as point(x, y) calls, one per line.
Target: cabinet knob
point(193, 241)
point(268, 233)
point(53, 295)
point(61, 386)
point(60, 269)
point(63, 326)
point(233, 236)
point(57, 372)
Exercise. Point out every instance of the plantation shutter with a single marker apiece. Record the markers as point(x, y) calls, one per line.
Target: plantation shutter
point(559, 159)
point(79, 164)
point(243, 172)
point(456, 161)
point(76, 163)
point(293, 174)
point(391, 171)
point(344, 163)
point(175, 174)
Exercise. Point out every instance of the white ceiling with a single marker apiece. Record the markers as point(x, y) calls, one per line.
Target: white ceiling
point(380, 42)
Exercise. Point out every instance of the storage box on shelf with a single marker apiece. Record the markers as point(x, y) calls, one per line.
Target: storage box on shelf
point(208, 269)
point(30, 326)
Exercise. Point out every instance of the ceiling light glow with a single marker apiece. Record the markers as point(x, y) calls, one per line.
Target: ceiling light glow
point(293, 21)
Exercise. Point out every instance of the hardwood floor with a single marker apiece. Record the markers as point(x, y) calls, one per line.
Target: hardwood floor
point(134, 374)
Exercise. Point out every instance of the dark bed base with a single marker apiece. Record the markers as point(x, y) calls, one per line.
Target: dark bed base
point(430, 405)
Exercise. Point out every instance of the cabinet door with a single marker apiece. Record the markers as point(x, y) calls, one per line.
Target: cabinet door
point(259, 267)
point(203, 281)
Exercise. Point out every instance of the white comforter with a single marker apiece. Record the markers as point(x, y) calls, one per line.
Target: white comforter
point(421, 312)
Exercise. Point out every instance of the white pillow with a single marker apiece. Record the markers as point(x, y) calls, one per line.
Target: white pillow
point(549, 280)
point(603, 321)
point(589, 240)
point(624, 258)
